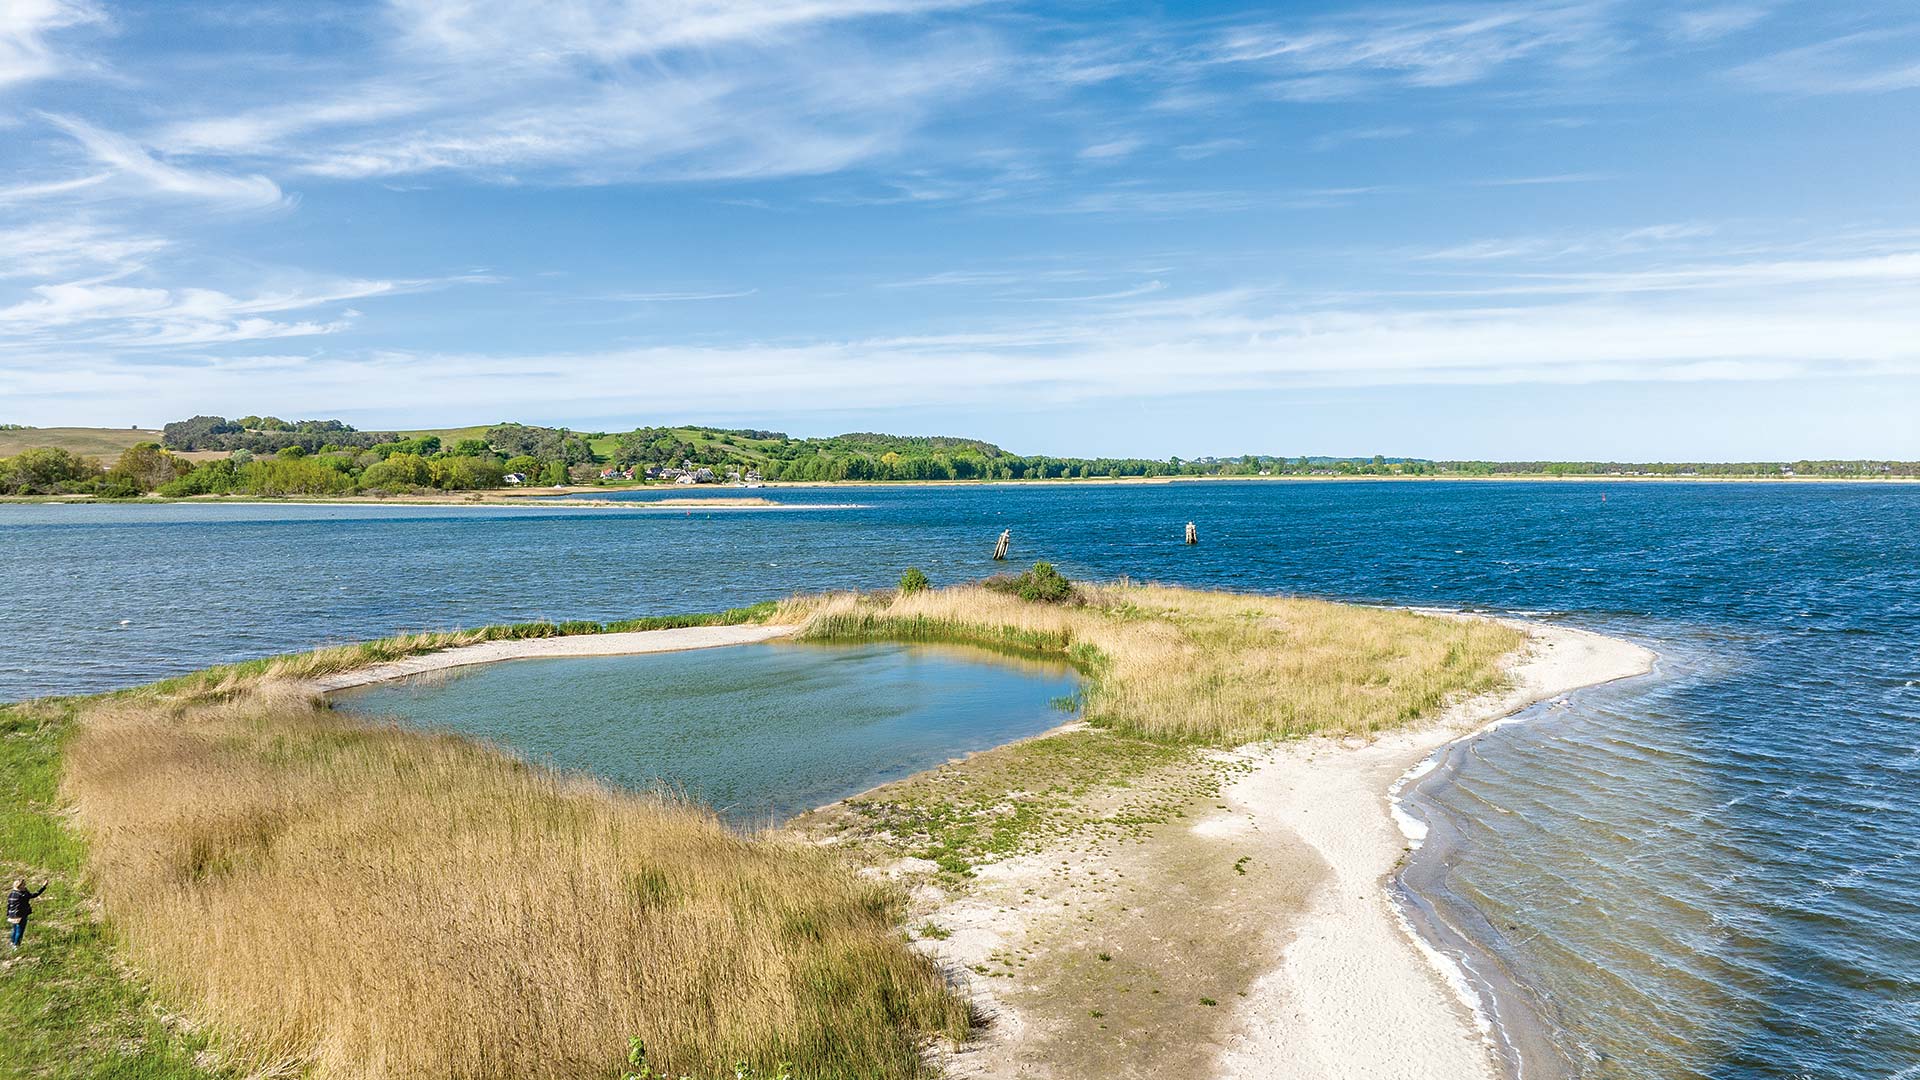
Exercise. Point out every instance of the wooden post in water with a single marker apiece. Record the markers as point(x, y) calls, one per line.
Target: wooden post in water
point(1005, 542)
point(1193, 534)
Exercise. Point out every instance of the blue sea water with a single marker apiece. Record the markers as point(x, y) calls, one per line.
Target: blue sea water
point(1712, 871)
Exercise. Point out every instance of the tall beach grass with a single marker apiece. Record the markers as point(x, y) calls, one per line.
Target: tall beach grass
point(334, 898)
point(1209, 667)
point(347, 900)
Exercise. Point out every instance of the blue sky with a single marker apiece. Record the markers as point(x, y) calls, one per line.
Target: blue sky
point(1519, 230)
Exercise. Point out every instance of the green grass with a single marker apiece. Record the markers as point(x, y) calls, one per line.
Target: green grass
point(1016, 799)
point(65, 1007)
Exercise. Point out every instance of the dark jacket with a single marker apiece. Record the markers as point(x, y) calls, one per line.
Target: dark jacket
point(20, 902)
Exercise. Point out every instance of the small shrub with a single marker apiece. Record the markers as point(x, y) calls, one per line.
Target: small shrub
point(638, 1069)
point(1043, 583)
point(913, 581)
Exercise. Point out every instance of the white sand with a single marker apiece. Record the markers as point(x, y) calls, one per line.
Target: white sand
point(1351, 994)
point(1354, 994)
point(488, 652)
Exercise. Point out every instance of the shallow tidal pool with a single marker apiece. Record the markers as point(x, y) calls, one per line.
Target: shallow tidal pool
point(758, 732)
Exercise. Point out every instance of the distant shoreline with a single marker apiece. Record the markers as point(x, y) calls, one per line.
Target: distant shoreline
point(449, 500)
point(563, 496)
point(1512, 478)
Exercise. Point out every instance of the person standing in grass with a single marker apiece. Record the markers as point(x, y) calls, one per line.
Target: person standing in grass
point(19, 906)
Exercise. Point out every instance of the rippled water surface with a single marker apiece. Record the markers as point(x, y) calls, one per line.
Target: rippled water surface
point(1713, 871)
point(760, 732)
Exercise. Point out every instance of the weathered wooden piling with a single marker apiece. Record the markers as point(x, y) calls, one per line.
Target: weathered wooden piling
point(1005, 542)
point(1193, 534)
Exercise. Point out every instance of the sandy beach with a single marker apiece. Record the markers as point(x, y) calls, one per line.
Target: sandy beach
point(1351, 960)
point(1251, 937)
point(488, 652)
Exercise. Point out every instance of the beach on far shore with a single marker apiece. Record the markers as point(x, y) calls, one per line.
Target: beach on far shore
point(569, 496)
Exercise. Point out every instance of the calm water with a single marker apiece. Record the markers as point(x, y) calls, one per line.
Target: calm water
point(1710, 872)
point(760, 732)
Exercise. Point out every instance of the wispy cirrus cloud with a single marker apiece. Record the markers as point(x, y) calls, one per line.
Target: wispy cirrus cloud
point(1438, 46)
point(1544, 178)
point(606, 31)
point(1865, 272)
point(48, 248)
point(1754, 319)
point(593, 92)
point(1604, 243)
point(1868, 62)
point(25, 26)
point(139, 166)
point(1699, 25)
point(675, 297)
point(108, 315)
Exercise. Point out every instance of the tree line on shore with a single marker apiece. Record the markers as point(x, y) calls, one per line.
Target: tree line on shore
point(268, 456)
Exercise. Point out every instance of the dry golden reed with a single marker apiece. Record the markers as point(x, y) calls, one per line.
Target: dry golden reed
point(358, 901)
point(1211, 667)
point(347, 900)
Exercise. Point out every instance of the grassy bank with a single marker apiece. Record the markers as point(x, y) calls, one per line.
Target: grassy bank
point(323, 895)
point(374, 902)
point(320, 895)
point(66, 1008)
point(1205, 667)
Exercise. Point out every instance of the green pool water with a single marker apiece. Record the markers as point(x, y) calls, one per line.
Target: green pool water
point(759, 732)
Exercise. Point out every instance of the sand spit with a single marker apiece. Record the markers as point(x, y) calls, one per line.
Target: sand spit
point(1354, 994)
point(1252, 936)
point(488, 652)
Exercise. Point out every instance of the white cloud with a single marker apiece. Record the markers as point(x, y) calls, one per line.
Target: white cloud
point(24, 193)
point(612, 30)
point(1870, 62)
point(676, 297)
point(1713, 23)
point(135, 162)
point(1334, 139)
point(1766, 319)
point(1588, 244)
point(592, 92)
point(24, 26)
point(1207, 148)
point(1436, 46)
point(1111, 149)
point(1550, 178)
point(1149, 203)
point(122, 316)
point(51, 248)
point(1866, 272)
